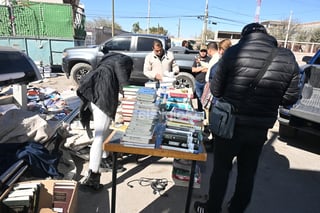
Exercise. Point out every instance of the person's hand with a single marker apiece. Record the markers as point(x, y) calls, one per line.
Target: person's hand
point(158, 77)
point(204, 69)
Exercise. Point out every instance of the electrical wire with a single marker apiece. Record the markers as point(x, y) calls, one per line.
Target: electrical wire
point(157, 184)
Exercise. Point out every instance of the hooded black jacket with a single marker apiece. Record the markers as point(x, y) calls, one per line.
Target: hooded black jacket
point(239, 66)
point(101, 86)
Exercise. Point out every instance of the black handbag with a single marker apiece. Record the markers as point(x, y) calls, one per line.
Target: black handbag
point(222, 118)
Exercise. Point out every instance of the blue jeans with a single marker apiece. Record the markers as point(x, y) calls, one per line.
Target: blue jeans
point(199, 89)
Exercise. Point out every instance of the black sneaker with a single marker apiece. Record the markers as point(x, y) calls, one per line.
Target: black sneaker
point(106, 165)
point(200, 207)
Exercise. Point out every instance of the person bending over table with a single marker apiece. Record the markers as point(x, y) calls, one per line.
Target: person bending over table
point(99, 92)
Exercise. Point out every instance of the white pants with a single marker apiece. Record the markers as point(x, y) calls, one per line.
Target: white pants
point(101, 131)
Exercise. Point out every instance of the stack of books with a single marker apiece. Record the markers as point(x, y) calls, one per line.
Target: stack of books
point(140, 130)
point(130, 91)
point(179, 98)
point(181, 93)
point(23, 198)
point(169, 83)
point(183, 130)
point(181, 170)
point(127, 106)
point(128, 101)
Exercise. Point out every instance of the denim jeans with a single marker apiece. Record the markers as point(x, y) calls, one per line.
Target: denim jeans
point(199, 89)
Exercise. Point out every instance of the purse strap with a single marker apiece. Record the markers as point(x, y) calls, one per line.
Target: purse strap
point(264, 68)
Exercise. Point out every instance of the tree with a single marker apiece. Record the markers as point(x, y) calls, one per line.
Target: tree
point(101, 22)
point(315, 35)
point(302, 35)
point(210, 34)
point(136, 27)
point(280, 30)
point(158, 30)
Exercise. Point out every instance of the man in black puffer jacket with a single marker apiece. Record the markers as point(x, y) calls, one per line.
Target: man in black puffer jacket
point(256, 113)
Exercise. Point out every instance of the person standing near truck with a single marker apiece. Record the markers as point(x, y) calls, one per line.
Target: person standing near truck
point(213, 52)
point(159, 63)
point(200, 68)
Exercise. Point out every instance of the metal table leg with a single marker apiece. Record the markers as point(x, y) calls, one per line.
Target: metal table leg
point(190, 188)
point(114, 182)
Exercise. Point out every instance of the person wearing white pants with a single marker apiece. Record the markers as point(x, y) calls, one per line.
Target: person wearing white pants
point(99, 92)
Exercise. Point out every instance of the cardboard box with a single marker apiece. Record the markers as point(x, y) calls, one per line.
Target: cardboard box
point(46, 196)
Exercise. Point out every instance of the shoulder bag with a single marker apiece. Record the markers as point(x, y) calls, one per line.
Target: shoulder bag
point(222, 116)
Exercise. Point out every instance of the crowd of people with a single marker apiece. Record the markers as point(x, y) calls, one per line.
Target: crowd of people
point(225, 71)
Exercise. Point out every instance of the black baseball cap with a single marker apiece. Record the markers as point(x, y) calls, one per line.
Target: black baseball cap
point(253, 28)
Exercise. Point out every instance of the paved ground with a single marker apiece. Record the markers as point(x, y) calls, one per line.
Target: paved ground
point(288, 179)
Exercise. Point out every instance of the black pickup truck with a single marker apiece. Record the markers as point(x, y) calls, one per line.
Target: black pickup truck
point(305, 114)
point(78, 61)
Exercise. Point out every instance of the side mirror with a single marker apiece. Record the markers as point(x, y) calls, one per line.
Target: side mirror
point(306, 59)
point(103, 48)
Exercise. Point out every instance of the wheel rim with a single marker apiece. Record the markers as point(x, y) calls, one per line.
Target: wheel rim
point(182, 83)
point(81, 73)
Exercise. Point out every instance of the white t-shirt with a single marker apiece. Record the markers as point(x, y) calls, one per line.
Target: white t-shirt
point(214, 59)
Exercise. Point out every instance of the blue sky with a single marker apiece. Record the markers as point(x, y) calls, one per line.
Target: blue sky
point(230, 15)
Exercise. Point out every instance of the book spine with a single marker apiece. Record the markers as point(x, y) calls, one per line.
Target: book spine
point(175, 143)
point(179, 138)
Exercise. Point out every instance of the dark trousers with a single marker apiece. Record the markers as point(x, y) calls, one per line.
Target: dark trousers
point(246, 145)
point(199, 91)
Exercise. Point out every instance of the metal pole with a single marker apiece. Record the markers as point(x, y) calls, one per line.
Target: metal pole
point(205, 23)
point(112, 26)
point(287, 35)
point(148, 24)
point(179, 29)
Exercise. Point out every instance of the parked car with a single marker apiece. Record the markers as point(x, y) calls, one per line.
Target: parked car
point(305, 114)
point(78, 61)
point(16, 67)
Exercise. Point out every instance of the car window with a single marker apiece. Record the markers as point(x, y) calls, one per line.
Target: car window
point(122, 43)
point(145, 44)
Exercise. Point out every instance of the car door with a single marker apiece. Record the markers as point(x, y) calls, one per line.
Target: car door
point(143, 47)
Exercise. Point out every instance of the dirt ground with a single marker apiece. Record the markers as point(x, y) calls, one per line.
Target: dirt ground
point(58, 81)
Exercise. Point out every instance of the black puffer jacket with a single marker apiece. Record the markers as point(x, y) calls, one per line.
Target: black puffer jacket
point(238, 68)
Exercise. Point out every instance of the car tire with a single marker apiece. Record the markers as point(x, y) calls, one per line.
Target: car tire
point(185, 80)
point(286, 132)
point(78, 71)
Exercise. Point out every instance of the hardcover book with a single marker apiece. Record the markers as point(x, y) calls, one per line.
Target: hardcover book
point(62, 194)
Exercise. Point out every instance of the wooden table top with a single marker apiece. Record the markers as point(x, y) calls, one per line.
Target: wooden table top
point(117, 147)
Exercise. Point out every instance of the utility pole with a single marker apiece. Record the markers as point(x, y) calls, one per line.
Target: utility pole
point(287, 35)
point(112, 26)
point(148, 24)
point(179, 29)
point(205, 23)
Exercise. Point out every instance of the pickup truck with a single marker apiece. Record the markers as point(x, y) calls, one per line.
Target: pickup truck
point(305, 114)
point(78, 61)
